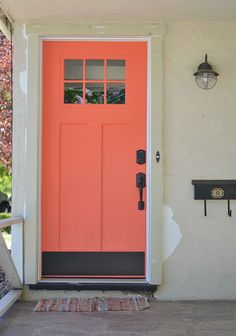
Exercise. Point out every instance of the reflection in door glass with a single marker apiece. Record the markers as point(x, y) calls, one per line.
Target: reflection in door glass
point(94, 93)
point(115, 70)
point(73, 69)
point(95, 69)
point(115, 93)
point(73, 93)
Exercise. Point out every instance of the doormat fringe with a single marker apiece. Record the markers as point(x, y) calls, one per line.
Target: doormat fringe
point(93, 304)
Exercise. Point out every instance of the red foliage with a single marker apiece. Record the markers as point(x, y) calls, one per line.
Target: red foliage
point(5, 102)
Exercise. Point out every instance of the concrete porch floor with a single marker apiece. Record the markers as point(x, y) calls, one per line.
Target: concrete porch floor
point(201, 318)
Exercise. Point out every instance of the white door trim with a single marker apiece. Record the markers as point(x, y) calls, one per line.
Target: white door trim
point(34, 137)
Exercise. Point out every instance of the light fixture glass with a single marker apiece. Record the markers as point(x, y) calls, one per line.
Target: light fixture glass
point(206, 78)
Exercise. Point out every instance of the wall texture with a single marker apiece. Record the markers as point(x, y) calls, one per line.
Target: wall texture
point(199, 143)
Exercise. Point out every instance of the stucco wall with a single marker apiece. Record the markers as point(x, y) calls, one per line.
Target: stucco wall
point(19, 119)
point(199, 143)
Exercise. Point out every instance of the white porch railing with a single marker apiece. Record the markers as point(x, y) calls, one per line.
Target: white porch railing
point(9, 267)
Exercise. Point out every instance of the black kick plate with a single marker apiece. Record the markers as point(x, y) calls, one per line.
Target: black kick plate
point(93, 264)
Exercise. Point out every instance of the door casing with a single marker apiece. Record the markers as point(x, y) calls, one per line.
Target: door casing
point(34, 33)
point(147, 254)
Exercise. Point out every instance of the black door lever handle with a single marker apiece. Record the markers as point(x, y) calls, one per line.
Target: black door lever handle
point(140, 184)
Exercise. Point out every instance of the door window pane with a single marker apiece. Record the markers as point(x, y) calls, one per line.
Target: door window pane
point(93, 81)
point(115, 93)
point(73, 69)
point(115, 70)
point(94, 93)
point(73, 93)
point(95, 69)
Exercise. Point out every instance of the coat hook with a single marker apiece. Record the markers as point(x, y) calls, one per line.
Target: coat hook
point(205, 208)
point(229, 210)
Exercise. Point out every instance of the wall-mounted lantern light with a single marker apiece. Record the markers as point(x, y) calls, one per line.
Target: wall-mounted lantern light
point(206, 78)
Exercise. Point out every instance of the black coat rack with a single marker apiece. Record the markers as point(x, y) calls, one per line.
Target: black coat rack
point(215, 190)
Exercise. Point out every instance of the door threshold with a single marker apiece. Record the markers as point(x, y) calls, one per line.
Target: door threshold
point(135, 285)
point(93, 280)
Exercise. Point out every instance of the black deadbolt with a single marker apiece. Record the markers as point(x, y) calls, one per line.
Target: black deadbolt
point(140, 156)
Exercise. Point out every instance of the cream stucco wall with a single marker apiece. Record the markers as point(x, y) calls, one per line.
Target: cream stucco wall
point(199, 143)
point(199, 254)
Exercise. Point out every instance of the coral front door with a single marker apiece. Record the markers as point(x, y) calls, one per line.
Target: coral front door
point(93, 177)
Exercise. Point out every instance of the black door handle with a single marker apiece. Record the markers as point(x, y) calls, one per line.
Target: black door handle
point(140, 184)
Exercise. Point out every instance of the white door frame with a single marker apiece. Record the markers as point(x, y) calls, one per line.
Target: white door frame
point(152, 34)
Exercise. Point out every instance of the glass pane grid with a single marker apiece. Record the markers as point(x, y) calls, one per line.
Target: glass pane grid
point(86, 81)
point(73, 81)
point(94, 93)
point(73, 93)
point(115, 93)
point(73, 69)
point(94, 69)
point(116, 81)
point(94, 81)
point(115, 69)
point(105, 81)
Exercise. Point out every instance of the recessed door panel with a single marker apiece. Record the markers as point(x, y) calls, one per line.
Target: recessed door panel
point(80, 225)
point(123, 231)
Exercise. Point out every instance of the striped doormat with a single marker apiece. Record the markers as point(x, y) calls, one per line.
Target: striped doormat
point(92, 304)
